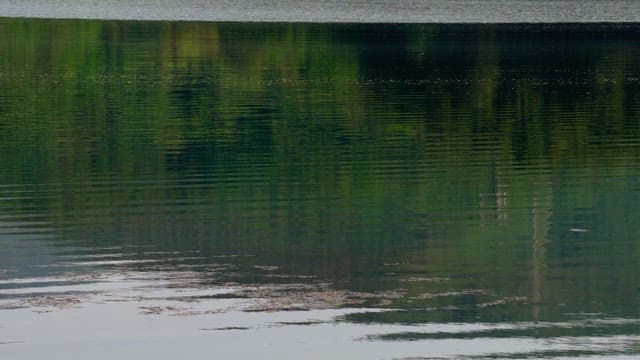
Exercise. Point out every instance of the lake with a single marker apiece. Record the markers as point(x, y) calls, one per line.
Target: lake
point(334, 11)
point(285, 190)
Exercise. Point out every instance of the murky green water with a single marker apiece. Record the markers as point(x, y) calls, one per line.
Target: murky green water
point(437, 190)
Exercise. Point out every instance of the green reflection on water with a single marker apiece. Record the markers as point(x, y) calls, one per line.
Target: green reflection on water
point(488, 170)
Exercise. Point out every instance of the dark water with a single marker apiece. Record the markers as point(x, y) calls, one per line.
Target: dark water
point(474, 188)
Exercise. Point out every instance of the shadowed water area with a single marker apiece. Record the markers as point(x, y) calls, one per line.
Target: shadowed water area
point(361, 191)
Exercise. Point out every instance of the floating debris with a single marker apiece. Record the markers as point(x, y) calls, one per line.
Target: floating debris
point(503, 301)
point(155, 310)
point(202, 312)
point(189, 294)
point(317, 299)
point(426, 296)
point(151, 310)
point(61, 302)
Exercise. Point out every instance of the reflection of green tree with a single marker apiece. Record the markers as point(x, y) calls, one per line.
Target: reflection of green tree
point(387, 136)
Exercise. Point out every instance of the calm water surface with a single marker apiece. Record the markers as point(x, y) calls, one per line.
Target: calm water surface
point(370, 191)
point(332, 11)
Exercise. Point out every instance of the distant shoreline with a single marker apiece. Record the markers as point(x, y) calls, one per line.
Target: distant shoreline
point(578, 29)
point(335, 11)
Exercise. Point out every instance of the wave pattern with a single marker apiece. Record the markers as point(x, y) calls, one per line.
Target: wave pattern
point(398, 191)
